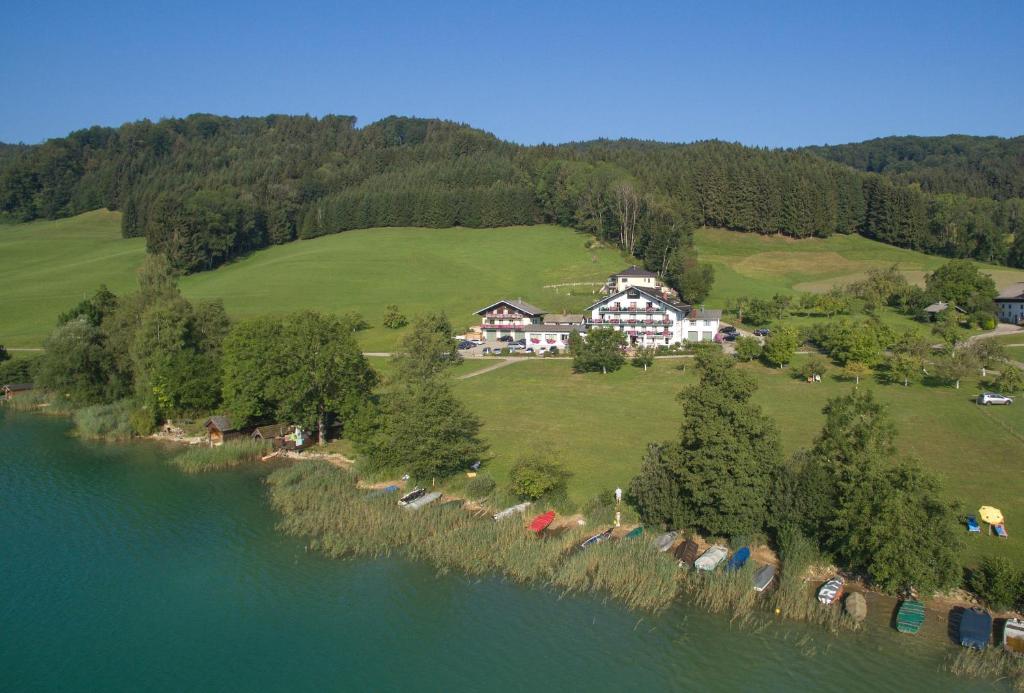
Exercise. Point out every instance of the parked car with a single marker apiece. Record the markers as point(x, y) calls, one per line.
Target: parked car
point(506, 338)
point(529, 350)
point(762, 332)
point(520, 342)
point(727, 329)
point(732, 336)
point(994, 398)
point(466, 344)
point(487, 351)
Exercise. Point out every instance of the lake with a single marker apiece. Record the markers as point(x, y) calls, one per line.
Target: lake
point(119, 573)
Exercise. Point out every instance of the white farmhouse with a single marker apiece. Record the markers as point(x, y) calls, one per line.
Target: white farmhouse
point(651, 317)
point(1010, 304)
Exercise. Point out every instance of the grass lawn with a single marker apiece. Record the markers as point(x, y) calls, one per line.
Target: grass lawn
point(748, 264)
point(455, 270)
point(542, 407)
point(49, 266)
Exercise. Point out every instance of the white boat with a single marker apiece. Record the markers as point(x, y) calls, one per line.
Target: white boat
point(509, 512)
point(710, 559)
point(417, 492)
point(422, 501)
point(663, 542)
point(1013, 636)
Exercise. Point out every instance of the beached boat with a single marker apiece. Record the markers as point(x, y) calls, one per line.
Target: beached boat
point(663, 542)
point(541, 522)
point(427, 499)
point(975, 628)
point(596, 539)
point(710, 559)
point(832, 590)
point(381, 491)
point(910, 616)
point(634, 533)
point(856, 606)
point(417, 492)
point(686, 553)
point(738, 560)
point(509, 512)
point(764, 577)
point(1013, 636)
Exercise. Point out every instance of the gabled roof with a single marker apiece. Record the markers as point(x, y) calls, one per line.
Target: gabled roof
point(936, 307)
point(17, 387)
point(1014, 292)
point(563, 317)
point(552, 328)
point(271, 431)
point(518, 305)
point(221, 423)
point(646, 291)
point(634, 271)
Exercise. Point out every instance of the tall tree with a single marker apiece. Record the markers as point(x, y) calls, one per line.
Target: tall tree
point(721, 469)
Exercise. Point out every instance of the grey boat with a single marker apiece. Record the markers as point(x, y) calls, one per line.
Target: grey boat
point(663, 542)
point(422, 501)
point(509, 512)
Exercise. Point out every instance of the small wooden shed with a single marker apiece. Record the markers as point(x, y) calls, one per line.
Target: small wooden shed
point(219, 430)
point(12, 390)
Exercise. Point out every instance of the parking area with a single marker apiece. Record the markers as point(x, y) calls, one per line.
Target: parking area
point(495, 348)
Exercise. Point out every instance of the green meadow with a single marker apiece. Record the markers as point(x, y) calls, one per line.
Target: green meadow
point(598, 427)
point(49, 266)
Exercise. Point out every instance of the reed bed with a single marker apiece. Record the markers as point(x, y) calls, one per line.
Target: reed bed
point(722, 592)
point(198, 459)
point(991, 664)
point(105, 421)
point(795, 599)
point(628, 570)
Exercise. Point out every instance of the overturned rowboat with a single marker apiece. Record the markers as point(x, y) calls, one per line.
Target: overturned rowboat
point(596, 539)
point(509, 512)
point(663, 542)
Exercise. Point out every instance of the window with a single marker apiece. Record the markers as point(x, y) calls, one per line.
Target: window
point(707, 323)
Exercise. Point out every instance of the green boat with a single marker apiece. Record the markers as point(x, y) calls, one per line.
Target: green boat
point(634, 533)
point(910, 617)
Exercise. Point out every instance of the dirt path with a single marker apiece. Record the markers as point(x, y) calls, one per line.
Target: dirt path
point(492, 367)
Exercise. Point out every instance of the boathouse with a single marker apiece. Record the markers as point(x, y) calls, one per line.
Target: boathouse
point(12, 390)
point(219, 430)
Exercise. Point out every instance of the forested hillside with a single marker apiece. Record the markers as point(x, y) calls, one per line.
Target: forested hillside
point(976, 166)
point(205, 189)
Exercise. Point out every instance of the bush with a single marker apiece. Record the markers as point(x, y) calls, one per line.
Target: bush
point(394, 320)
point(553, 351)
point(480, 486)
point(534, 478)
point(105, 421)
point(997, 582)
point(748, 348)
point(143, 421)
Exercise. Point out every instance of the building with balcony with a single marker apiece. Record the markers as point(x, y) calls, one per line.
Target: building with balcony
point(649, 317)
point(508, 319)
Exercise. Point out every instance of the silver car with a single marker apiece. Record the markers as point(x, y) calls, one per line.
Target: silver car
point(994, 398)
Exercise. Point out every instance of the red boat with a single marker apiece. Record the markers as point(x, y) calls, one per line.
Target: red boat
point(541, 522)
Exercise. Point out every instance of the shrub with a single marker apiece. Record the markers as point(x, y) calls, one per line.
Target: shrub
point(393, 319)
point(480, 486)
point(143, 421)
point(997, 582)
point(1010, 380)
point(533, 478)
point(105, 421)
point(553, 351)
point(747, 348)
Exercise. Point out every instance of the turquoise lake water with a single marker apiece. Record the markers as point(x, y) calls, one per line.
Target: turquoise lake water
point(119, 573)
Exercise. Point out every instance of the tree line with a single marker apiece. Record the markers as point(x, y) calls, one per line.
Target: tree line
point(205, 189)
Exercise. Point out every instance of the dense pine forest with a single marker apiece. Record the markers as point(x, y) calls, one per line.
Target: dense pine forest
point(205, 189)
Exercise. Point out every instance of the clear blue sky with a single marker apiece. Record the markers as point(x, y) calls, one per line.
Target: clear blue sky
point(762, 73)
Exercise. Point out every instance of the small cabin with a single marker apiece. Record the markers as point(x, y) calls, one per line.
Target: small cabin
point(12, 390)
point(281, 436)
point(219, 430)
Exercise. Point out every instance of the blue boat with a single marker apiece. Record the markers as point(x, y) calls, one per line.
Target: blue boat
point(975, 628)
point(972, 524)
point(381, 491)
point(738, 560)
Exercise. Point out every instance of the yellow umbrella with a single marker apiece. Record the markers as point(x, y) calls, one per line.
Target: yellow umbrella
point(993, 516)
